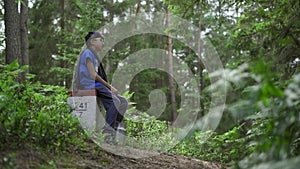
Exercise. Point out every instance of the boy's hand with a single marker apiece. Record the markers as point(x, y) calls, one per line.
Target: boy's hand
point(114, 90)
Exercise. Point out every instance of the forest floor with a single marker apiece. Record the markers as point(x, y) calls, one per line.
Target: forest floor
point(94, 157)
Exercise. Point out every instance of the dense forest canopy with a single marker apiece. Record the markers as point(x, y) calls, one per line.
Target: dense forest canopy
point(257, 43)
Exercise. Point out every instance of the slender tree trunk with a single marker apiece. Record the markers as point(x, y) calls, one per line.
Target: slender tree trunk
point(24, 59)
point(200, 67)
point(170, 65)
point(108, 65)
point(62, 34)
point(163, 64)
point(138, 8)
point(12, 31)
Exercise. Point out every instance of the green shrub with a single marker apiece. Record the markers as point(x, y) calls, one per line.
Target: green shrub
point(270, 111)
point(276, 126)
point(211, 146)
point(34, 113)
point(146, 132)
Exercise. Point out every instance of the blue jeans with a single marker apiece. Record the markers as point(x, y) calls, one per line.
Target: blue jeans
point(115, 106)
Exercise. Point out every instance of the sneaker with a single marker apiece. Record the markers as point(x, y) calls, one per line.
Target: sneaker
point(117, 124)
point(120, 133)
point(110, 138)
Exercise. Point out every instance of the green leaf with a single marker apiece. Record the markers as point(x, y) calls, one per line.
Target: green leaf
point(13, 65)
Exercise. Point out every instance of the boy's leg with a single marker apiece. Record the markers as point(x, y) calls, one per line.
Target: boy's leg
point(121, 108)
point(115, 107)
point(106, 97)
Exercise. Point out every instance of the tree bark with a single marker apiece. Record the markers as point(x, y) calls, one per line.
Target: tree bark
point(200, 67)
point(138, 8)
point(62, 34)
point(24, 59)
point(170, 66)
point(12, 31)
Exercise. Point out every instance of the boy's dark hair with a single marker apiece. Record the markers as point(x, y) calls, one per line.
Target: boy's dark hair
point(92, 35)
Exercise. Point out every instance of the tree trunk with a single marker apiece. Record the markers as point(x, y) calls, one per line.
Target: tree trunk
point(170, 66)
point(200, 67)
point(62, 34)
point(108, 65)
point(24, 59)
point(138, 8)
point(12, 31)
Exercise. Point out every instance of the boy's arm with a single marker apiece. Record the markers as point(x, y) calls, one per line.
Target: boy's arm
point(96, 77)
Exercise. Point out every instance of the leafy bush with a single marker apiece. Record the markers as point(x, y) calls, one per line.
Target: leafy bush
point(267, 112)
point(146, 132)
point(276, 126)
point(34, 113)
point(211, 146)
point(272, 109)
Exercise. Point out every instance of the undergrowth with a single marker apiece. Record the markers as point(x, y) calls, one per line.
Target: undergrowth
point(32, 113)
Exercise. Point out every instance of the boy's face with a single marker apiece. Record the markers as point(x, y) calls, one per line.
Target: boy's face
point(97, 43)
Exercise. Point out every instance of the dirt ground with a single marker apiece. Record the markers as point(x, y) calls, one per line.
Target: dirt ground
point(95, 157)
